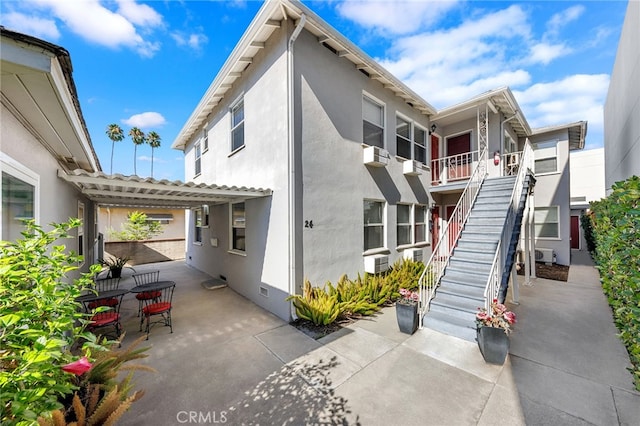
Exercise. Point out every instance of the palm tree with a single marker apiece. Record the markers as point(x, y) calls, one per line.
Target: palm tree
point(154, 140)
point(115, 133)
point(138, 138)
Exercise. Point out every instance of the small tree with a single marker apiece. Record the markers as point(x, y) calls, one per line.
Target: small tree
point(115, 133)
point(138, 137)
point(154, 140)
point(138, 227)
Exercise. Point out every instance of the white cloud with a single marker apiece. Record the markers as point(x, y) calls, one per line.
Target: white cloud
point(95, 23)
point(139, 14)
point(27, 24)
point(194, 40)
point(544, 53)
point(560, 19)
point(395, 16)
point(156, 160)
point(145, 120)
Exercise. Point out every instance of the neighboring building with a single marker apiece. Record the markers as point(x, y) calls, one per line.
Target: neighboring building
point(42, 131)
point(113, 218)
point(587, 184)
point(622, 107)
point(342, 144)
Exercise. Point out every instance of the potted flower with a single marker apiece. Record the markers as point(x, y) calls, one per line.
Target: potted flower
point(407, 311)
point(493, 328)
point(115, 265)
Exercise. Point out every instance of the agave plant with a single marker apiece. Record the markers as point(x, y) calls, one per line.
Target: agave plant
point(115, 133)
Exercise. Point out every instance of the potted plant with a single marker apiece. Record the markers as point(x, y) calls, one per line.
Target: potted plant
point(115, 264)
point(407, 311)
point(493, 328)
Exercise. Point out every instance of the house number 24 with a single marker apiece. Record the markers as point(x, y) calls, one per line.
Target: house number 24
point(308, 224)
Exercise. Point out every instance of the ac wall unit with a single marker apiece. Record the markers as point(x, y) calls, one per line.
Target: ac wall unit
point(411, 168)
point(376, 264)
point(413, 254)
point(375, 156)
point(545, 255)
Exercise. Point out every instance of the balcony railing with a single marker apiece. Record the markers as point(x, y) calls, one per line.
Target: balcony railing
point(453, 168)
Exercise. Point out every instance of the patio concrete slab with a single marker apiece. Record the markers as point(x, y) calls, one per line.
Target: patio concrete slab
point(627, 406)
point(349, 343)
point(287, 343)
point(335, 368)
point(383, 323)
point(503, 408)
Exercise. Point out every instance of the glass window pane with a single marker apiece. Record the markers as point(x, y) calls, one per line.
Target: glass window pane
point(373, 237)
point(420, 154)
point(403, 213)
point(403, 128)
point(238, 114)
point(420, 136)
point(403, 147)
point(372, 212)
point(372, 134)
point(419, 214)
point(238, 215)
point(404, 234)
point(239, 239)
point(372, 111)
point(547, 230)
point(237, 137)
point(420, 233)
point(548, 165)
point(17, 204)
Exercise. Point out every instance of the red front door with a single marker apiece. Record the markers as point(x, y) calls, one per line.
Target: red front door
point(435, 154)
point(575, 232)
point(460, 166)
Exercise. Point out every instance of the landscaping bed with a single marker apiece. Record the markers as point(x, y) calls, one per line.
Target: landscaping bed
point(550, 272)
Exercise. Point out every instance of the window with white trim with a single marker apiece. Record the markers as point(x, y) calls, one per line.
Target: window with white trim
point(238, 227)
point(403, 138)
point(373, 224)
point(372, 122)
point(547, 222)
point(197, 222)
point(546, 157)
point(205, 141)
point(237, 125)
point(403, 227)
point(420, 223)
point(20, 192)
point(420, 144)
point(198, 157)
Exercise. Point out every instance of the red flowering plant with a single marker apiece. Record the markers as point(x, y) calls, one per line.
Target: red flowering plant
point(497, 317)
point(408, 297)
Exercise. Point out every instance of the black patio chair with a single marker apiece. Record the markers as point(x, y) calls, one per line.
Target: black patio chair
point(102, 285)
point(108, 316)
point(143, 279)
point(158, 307)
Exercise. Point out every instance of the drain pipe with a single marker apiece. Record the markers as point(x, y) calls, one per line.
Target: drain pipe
point(292, 159)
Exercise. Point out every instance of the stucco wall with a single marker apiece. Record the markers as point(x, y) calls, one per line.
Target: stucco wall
point(115, 217)
point(587, 174)
point(151, 251)
point(622, 107)
point(58, 201)
point(333, 176)
point(553, 189)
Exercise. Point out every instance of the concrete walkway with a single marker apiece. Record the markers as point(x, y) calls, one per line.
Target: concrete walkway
point(231, 362)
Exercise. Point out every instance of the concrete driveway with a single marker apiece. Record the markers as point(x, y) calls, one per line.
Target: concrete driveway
point(230, 362)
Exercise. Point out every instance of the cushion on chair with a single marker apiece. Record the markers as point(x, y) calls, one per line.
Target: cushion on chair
point(156, 308)
point(112, 301)
point(104, 318)
point(148, 295)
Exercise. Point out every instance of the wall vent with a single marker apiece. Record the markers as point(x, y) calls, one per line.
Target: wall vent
point(264, 291)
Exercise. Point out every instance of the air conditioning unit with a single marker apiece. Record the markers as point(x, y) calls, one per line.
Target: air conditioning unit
point(411, 168)
point(413, 254)
point(545, 255)
point(376, 264)
point(375, 156)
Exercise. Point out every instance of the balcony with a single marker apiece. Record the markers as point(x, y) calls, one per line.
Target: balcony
point(453, 168)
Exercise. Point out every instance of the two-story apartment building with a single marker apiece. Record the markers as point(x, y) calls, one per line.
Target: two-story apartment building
point(341, 143)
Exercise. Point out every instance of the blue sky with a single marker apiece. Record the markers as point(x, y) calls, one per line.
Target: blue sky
point(147, 63)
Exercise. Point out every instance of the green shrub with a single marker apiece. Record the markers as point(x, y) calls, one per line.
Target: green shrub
point(40, 321)
point(616, 227)
point(587, 227)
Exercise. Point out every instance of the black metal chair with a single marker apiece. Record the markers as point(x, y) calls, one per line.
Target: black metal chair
point(101, 286)
point(143, 279)
point(108, 316)
point(159, 306)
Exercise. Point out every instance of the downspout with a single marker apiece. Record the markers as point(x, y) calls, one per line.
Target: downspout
point(292, 158)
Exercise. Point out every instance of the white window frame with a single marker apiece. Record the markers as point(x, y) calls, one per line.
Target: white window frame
point(416, 223)
point(416, 144)
point(233, 249)
point(542, 223)
point(81, 240)
point(205, 140)
point(543, 149)
point(372, 250)
point(240, 125)
point(197, 226)
point(408, 140)
point(19, 171)
point(408, 224)
point(379, 103)
point(198, 159)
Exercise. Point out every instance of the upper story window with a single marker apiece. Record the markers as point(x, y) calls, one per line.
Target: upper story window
point(546, 157)
point(373, 224)
point(372, 122)
point(403, 138)
point(237, 125)
point(205, 141)
point(198, 159)
point(20, 192)
point(420, 145)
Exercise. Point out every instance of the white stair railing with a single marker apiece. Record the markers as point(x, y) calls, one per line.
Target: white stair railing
point(452, 168)
point(494, 281)
point(441, 253)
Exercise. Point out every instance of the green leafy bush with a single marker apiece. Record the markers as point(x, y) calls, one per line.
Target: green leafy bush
point(40, 321)
point(138, 227)
point(587, 227)
point(616, 227)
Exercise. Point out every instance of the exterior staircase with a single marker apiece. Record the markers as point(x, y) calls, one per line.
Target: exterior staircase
point(461, 289)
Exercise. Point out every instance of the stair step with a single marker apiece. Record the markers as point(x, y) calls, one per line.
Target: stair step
point(471, 266)
point(474, 254)
point(463, 277)
point(470, 235)
point(451, 326)
point(468, 291)
point(455, 306)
